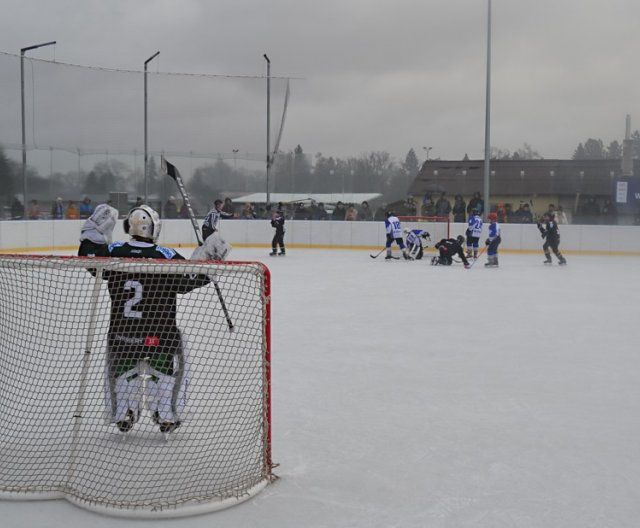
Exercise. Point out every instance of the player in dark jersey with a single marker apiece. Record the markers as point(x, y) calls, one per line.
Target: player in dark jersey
point(448, 248)
point(277, 221)
point(549, 231)
point(143, 339)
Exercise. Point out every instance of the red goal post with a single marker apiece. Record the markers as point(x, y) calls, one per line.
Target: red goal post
point(438, 227)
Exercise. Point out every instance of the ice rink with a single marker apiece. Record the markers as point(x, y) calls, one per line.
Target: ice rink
point(406, 395)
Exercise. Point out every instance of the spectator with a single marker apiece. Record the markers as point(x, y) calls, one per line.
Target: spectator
point(34, 210)
point(429, 208)
point(171, 208)
point(72, 212)
point(561, 216)
point(443, 206)
point(184, 211)
point(459, 209)
point(248, 211)
point(17, 209)
point(609, 212)
point(229, 208)
point(321, 213)
point(410, 207)
point(351, 213)
point(365, 213)
point(523, 215)
point(476, 203)
point(86, 208)
point(591, 211)
point(339, 212)
point(139, 202)
point(381, 213)
point(57, 209)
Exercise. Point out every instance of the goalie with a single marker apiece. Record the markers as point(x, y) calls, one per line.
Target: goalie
point(413, 241)
point(144, 341)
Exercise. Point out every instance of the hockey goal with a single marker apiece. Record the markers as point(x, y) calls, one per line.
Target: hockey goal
point(438, 227)
point(58, 437)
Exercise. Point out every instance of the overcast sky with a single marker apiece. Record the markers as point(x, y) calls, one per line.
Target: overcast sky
point(373, 74)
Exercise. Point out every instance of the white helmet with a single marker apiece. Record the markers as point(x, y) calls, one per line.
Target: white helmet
point(143, 222)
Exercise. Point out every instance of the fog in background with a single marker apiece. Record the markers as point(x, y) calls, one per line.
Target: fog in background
point(370, 75)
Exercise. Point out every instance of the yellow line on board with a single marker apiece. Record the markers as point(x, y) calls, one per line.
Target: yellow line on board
point(594, 252)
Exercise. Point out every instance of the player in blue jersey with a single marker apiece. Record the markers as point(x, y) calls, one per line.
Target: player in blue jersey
point(474, 232)
point(393, 229)
point(493, 241)
point(143, 339)
point(413, 241)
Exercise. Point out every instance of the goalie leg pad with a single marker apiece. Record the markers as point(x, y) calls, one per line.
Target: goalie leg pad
point(214, 248)
point(124, 394)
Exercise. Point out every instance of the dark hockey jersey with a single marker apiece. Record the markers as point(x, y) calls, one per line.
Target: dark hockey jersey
point(144, 305)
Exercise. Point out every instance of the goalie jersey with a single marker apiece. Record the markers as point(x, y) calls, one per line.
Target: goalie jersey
point(144, 305)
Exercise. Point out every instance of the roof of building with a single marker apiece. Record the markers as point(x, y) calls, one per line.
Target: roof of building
point(326, 198)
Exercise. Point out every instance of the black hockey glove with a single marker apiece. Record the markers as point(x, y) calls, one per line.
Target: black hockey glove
point(425, 235)
point(487, 242)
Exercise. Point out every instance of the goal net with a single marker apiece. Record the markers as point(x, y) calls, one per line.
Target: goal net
point(123, 389)
point(438, 227)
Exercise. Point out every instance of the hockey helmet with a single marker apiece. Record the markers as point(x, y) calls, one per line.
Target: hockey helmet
point(406, 230)
point(390, 213)
point(492, 216)
point(143, 222)
point(460, 239)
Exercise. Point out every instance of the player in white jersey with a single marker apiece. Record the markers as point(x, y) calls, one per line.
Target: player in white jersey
point(413, 241)
point(474, 232)
point(393, 229)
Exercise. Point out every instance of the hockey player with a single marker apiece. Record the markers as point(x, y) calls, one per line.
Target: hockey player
point(413, 241)
point(143, 339)
point(277, 221)
point(210, 223)
point(493, 241)
point(549, 231)
point(474, 232)
point(393, 229)
point(447, 249)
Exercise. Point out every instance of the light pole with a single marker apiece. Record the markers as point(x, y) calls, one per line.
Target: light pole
point(24, 139)
point(487, 119)
point(146, 154)
point(427, 149)
point(268, 122)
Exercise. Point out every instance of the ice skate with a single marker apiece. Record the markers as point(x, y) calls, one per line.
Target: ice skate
point(282, 253)
point(167, 426)
point(273, 253)
point(127, 424)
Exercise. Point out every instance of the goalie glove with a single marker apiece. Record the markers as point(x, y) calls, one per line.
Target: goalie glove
point(214, 248)
point(426, 235)
point(487, 242)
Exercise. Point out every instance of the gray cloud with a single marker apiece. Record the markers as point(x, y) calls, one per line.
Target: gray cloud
point(378, 75)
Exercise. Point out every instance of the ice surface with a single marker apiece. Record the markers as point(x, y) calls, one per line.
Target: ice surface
point(408, 395)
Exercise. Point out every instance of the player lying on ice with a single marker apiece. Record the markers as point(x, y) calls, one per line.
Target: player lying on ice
point(447, 249)
point(144, 340)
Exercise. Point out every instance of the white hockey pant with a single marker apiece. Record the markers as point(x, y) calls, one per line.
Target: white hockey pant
point(145, 387)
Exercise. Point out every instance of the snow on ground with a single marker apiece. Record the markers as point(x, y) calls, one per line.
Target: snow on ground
point(408, 395)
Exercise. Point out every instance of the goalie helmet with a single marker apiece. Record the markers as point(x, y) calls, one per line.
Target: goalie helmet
point(143, 222)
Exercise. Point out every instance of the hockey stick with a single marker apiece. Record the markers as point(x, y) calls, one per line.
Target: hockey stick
point(378, 254)
point(478, 257)
point(171, 171)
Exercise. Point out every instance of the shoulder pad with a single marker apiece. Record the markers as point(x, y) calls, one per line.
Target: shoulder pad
point(114, 245)
point(168, 253)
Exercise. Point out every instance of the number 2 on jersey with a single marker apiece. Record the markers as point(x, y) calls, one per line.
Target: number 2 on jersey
point(129, 306)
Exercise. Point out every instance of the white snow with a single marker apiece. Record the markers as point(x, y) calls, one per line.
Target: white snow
point(406, 395)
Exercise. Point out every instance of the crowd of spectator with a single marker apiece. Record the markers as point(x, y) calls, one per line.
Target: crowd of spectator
point(585, 211)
